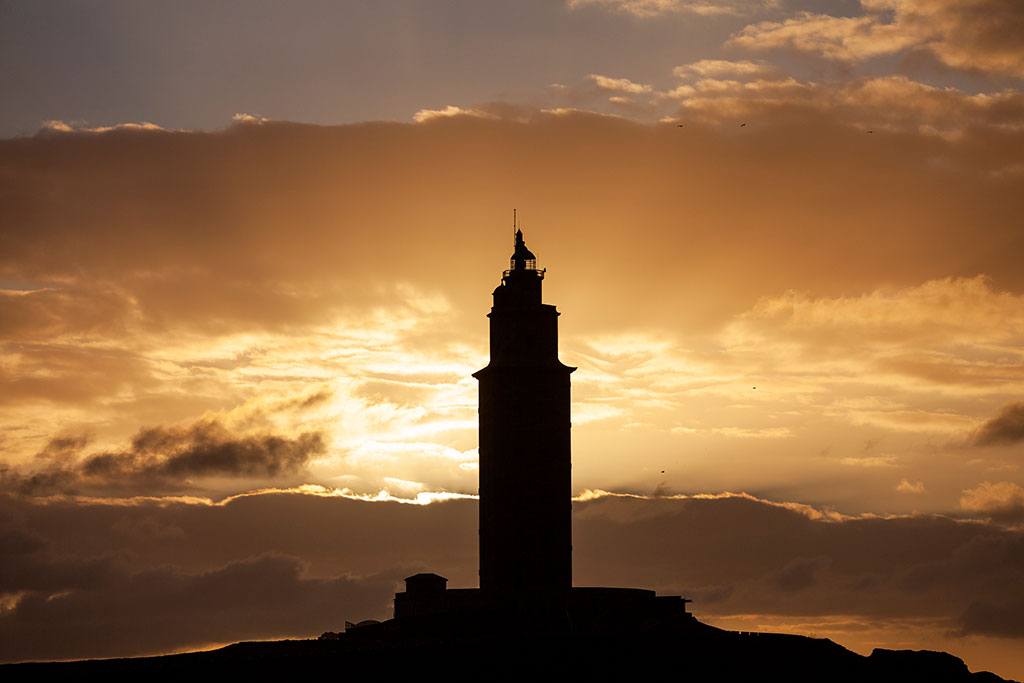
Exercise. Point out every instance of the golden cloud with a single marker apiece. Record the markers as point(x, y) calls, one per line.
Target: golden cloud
point(975, 35)
point(723, 67)
point(655, 8)
point(451, 110)
point(619, 84)
point(1001, 500)
point(894, 103)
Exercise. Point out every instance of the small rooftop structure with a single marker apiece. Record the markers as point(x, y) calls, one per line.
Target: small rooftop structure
point(425, 582)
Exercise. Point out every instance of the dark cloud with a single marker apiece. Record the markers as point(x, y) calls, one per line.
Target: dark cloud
point(1004, 618)
point(18, 543)
point(799, 574)
point(127, 613)
point(750, 557)
point(332, 535)
point(164, 459)
point(311, 400)
point(998, 564)
point(280, 564)
point(50, 480)
point(61, 448)
point(107, 579)
point(1004, 429)
point(205, 449)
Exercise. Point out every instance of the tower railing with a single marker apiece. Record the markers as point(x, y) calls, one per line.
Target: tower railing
point(532, 270)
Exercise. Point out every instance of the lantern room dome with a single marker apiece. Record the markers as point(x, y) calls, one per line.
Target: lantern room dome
point(522, 258)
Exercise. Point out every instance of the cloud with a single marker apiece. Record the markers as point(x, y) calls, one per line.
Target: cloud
point(906, 486)
point(619, 84)
point(149, 576)
point(59, 372)
point(1001, 618)
point(974, 35)
point(722, 67)
point(165, 458)
point(844, 38)
point(894, 103)
point(62, 449)
point(739, 432)
point(797, 575)
point(1002, 500)
point(62, 312)
point(758, 559)
point(746, 555)
point(204, 449)
point(424, 115)
point(870, 461)
point(956, 311)
point(1004, 429)
point(57, 127)
point(159, 609)
point(721, 91)
point(222, 280)
point(655, 8)
point(251, 119)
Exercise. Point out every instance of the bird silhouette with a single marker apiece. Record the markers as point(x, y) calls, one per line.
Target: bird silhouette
point(742, 124)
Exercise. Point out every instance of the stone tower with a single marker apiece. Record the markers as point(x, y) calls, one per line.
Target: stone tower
point(525, 454)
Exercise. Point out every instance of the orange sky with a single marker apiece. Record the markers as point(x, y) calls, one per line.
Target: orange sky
point(787, 327)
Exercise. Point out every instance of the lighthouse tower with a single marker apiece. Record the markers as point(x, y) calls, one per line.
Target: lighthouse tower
point(525, 494)
point(525, 454)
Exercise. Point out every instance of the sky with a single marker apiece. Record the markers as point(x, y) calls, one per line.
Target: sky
point(247, 251)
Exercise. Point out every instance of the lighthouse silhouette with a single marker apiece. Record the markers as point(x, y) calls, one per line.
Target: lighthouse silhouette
point(525, 451)
point(525, 504)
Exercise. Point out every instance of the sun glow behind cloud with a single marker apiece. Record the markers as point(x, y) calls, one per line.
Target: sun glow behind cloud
point(882, 365)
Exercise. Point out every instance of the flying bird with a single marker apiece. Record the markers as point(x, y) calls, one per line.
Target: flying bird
point(742, 124)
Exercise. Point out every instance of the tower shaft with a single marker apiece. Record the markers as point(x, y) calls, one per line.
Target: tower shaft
point(525, 452)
